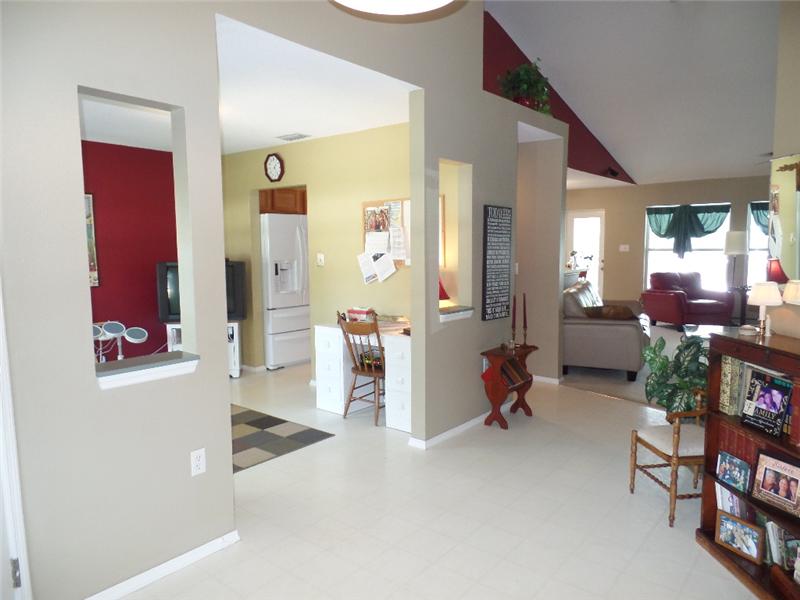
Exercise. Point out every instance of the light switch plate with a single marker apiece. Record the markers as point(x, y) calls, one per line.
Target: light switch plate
point(320, 259)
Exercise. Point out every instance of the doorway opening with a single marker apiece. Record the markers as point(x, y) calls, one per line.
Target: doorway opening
point(316, 190)
point(584, 245)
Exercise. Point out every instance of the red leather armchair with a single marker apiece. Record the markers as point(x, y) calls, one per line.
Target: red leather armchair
point(678, 298)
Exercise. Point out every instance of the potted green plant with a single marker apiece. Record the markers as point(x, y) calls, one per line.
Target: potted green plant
point(528, 86)
point(675, 383)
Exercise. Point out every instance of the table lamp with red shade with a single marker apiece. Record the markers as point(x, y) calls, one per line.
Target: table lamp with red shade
point(443, 295)
point(775, 271)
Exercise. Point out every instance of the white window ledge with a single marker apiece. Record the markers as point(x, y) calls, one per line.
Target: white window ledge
point(130, 371)
point(455, 313)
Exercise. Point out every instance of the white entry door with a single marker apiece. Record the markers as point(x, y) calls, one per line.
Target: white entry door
point(585, 235)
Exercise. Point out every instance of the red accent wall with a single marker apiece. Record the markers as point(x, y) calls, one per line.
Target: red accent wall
point(134, 221)
point(584, 151)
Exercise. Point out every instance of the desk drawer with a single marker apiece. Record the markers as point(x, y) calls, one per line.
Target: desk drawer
point(398, 410)
point(398, 381)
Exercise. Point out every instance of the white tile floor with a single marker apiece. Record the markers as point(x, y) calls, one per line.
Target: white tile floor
point(539, 511)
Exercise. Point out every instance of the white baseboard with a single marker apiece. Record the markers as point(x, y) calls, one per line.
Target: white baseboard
point(258, 369)
point(553, 380)
point(446, 435)
point(137, 582)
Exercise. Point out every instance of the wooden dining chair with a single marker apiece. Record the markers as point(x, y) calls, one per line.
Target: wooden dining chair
point(363, 340)
point(678, 445)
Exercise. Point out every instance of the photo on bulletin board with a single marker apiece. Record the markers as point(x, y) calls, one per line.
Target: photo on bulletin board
point(386, 230)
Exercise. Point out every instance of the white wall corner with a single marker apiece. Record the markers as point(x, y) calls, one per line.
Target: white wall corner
point(450, 433)
point(139, 581)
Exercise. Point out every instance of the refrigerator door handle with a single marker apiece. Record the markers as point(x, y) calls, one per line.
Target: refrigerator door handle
point(302, 259)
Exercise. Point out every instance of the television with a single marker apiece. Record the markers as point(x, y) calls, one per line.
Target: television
point(169, 296)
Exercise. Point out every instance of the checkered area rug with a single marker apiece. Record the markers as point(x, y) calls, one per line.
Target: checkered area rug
point(258, 437)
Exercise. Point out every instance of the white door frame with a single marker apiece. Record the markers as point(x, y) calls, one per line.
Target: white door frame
point(12, 516)
point(601, 213)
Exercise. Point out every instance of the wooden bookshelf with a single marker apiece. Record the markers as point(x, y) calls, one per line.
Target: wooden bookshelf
point(726, 433)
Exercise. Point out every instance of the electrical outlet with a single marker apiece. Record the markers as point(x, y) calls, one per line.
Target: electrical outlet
point(197, 461)
point(320, 259)
point(484, 363)
point(516, 268)
point(624, 248)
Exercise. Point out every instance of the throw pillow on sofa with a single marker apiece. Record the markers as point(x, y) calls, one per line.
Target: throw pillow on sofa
point(611, 311)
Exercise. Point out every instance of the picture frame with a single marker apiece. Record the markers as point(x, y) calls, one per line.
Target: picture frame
point(740, 537)
point(728, 501)
point(733, 471)
point(777, 482)
point(766, 400)
point(91, 243)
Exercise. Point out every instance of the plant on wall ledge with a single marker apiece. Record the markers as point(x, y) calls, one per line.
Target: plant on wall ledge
point(527, 85)
point(675, 383)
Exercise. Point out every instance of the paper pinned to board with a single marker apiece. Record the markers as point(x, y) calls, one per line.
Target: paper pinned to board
point(367, 267)
point(397, 243)
point(395, 213)
point(376, 242)
point(384, 267)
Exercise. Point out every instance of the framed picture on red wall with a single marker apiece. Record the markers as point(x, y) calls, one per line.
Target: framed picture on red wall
point(94, 279)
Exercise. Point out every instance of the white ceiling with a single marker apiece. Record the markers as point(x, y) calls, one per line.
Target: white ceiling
point(580, 180)
point(112, 122)
point(268, 87)
point(674, 90)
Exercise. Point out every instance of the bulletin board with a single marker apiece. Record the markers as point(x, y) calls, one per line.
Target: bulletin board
point(387, 224)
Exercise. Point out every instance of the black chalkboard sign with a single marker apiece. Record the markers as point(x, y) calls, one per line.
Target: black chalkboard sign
point(496, 262)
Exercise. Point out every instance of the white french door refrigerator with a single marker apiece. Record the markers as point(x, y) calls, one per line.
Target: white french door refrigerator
point(287, 319)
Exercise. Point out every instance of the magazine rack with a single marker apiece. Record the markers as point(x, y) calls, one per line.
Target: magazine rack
point(726, 432)
point(507, 373)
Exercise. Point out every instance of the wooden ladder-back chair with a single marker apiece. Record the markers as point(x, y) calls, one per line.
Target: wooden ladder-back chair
point(678, 445)
point(366, 353)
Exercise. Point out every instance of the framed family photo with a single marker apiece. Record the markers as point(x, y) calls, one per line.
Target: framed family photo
point(776, 482)
point(740, 537)
point(733, 471)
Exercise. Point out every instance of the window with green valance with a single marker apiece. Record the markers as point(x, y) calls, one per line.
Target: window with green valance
point(684, 222)
point(760, 212)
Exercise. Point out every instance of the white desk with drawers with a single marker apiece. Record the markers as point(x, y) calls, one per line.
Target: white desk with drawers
point(334, 377)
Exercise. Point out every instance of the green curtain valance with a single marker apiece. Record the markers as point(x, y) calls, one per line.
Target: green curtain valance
point(760, 212)
point(682, 223)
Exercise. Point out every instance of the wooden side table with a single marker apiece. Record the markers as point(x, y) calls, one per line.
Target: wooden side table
point(507, 372)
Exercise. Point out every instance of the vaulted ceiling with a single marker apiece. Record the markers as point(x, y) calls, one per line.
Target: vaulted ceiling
point(674, 90)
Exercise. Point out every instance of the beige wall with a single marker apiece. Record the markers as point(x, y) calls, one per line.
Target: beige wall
point(540, 209)
point(340, 173)
point(105, 477)
point(105, 474)
point(786, 318)
point(786, 138)
point(625, 220)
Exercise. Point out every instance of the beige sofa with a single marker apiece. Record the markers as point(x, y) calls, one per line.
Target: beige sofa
point(605, 337)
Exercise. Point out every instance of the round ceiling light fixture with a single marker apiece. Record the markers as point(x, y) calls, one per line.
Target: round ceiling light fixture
point(393, 7)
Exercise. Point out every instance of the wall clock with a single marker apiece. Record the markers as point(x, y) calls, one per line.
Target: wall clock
point(273, 167)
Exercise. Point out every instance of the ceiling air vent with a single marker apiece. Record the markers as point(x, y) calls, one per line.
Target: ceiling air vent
point(293, 137)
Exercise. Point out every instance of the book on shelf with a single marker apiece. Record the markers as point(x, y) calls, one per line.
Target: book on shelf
point(730, 385)
point(766, 398)
point(777, 543)
point(783, 546)
point(761, 521)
